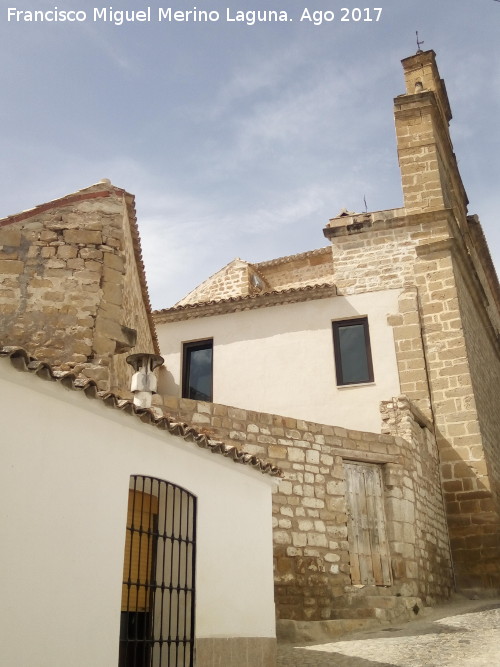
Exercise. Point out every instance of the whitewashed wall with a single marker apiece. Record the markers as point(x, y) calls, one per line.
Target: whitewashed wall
point(65, 463)
point(280, 359)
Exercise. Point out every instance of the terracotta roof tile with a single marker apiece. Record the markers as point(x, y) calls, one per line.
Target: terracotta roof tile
point(21, 361)
point(247, 302)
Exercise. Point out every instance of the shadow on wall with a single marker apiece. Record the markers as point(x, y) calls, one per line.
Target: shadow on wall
point(473, 519)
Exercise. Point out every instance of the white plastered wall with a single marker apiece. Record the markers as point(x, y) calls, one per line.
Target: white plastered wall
point(280, 359)
point(65, 463)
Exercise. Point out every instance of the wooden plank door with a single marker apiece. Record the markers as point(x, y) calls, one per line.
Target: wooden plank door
point(368, 544)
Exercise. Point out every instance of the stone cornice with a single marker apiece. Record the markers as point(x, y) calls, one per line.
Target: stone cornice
point(380, 220)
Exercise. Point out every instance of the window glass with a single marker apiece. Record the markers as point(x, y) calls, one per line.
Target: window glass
point(352, 351)
point(197, 371)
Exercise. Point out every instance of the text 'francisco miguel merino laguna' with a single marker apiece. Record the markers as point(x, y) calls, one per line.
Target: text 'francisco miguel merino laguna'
point(168, 14)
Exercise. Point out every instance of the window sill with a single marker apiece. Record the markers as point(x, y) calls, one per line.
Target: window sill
point(355, 386)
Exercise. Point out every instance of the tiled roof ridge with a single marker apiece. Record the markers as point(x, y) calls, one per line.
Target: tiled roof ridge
point(22, 361)
point(98, 191)
point(241, 298)
point(291, 258)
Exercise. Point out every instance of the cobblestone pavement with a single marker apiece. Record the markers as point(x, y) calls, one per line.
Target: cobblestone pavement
point(460, 634)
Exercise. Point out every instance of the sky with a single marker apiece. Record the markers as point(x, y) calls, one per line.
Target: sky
point(237, 140)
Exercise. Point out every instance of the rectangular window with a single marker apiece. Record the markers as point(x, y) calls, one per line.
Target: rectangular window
point(197, 364)
point(353, 359)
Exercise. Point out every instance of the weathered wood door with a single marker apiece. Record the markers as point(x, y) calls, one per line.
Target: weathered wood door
point(368, 544)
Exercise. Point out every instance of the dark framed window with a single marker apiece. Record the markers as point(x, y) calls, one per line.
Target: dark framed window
point(197, 367)
point(353, 357)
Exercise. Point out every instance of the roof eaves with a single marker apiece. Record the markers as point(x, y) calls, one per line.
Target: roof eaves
point(22, 362)
point(250, 301)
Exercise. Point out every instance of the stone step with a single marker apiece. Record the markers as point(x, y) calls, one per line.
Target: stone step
point(363, 591)
point(382, 608)
point(351, 614)
point(362, 613)
point(384, 602)
point(318, 631)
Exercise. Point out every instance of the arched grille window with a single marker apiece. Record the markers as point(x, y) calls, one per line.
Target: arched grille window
point(157, 611)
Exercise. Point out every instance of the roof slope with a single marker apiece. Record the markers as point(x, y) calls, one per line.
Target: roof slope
point(241, 281)
point(21, 361)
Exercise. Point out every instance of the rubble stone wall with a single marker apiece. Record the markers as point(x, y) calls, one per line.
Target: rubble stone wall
point(311, 547)
point(235, 279)
point(231, 281)
point(66, 283)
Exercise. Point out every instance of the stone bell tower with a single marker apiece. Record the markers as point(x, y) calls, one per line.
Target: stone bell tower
point(447, 330)
point(430, 176)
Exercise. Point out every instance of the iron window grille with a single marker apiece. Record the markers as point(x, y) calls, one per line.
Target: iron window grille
point(158, 590)
point(353, 358)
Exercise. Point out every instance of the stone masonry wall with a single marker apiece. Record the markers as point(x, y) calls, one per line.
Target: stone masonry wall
point(472, 471)
point(459, 306)
point(441, 345)
point(234, 280)
point(311, 548)
point(62, 273)
point(463, 369)
point(410, 353)
point(429, 171)
point(377, 250)
point(423, 508)
point(309, 268)
point(133, 312)
point(230, 281)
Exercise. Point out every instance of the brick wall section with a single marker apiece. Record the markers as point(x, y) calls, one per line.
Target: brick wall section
point(62, 272)
point(310, 515)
